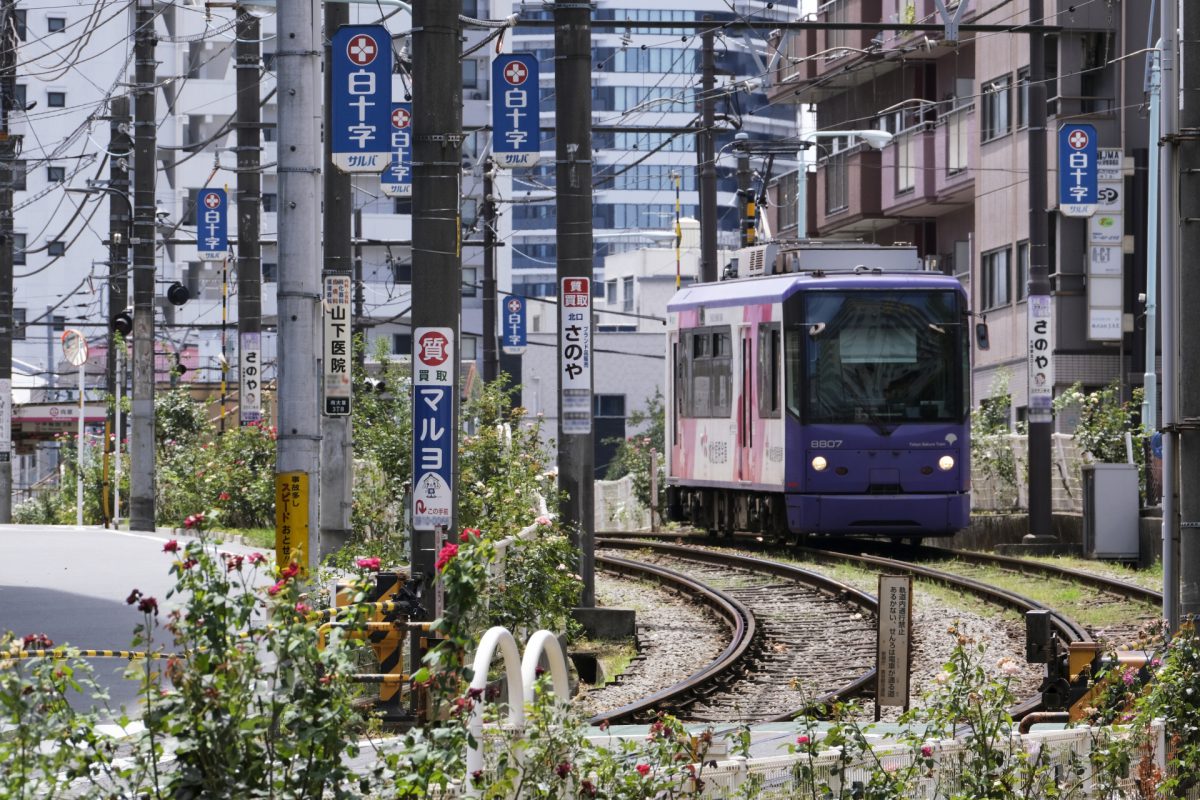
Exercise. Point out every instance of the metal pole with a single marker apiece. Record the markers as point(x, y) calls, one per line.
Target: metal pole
point(491, 358)
point(79, 454)
point(1150, 376)
point(1041, 419)
point(336, 458)
point(298, 293)
point(437, 225)
point(1187, 109)
point(145, 129)
point(358, 323)
point(708, 159)
point(745, 200)
point(9, 147)
point(573, 151)
point(1168, 260)
point(249, 198)
point(120, 377)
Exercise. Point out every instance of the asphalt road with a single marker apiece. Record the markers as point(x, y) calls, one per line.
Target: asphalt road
point(70, 583)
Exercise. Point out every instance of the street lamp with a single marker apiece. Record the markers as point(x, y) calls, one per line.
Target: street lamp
point(875, 139)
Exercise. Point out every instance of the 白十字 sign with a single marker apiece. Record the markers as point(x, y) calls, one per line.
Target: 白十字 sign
point(212, 226)
point(361, 75)
point(516, 106)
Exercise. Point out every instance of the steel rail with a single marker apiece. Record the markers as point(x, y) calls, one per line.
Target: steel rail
point(694, 685)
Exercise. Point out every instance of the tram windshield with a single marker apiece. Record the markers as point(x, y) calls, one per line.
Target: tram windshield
point(879, 357)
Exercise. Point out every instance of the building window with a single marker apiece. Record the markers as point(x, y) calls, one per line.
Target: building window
point(1022, 97)
point(19, 248)
point(21, 16)
point(402, 344)
point(58, 323)
point(270, 272)
point(995, 279)
point(56, 174)
point(958, 140)
point(837, 184)
point(470, 281)
point(270, 202)
point(610, 292)
point(56, 99)
point(20, 97)
point(470, 73)
point(1022, 269)
point(56, 24)
point(608, 405)
point(16, 180)
point(906, 162)
point(997, 107)
point(401, 271)
point(470, 348)
point(18, 318)
point(56, 248)
point(627, 293)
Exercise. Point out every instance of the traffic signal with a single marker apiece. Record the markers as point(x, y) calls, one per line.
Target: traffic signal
point(122, 323)
point(178, 294)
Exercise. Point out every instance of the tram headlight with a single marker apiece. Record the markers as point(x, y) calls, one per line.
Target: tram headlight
point(819, 463)
point(946, 463)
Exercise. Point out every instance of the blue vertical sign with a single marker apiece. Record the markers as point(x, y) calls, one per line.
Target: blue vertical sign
point(433, 406)
point(361, 57)
point(1078, 170)
point(396, 180)
point(516, 137)
point(212, 228)
point(513, 340)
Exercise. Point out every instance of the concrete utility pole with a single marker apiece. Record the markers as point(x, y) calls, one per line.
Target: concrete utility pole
point(145, 171)
point(706, 151)
point(437, 225)
point(1187, 80)
point(491, 358)
point(249, 202)
point(573, 203)
point(120, 148)
point(745, 195)
point(337, 461)
point(299, 297)
point(1041, 420)
point(9, 146)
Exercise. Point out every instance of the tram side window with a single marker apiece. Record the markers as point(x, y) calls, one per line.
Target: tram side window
point(708, 375)
point(769, 368)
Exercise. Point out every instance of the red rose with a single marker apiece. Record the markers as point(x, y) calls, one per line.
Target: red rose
point(171, 546)
point(643, 769)
point(368, 563)
point(467, 533)
point(449, 551)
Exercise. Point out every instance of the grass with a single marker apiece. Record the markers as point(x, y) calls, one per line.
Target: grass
point(253, 537)
point(614, 656)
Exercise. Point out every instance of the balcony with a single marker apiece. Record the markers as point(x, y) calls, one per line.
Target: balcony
point(907, 185)
point(825, 63)
point(931, 45)
point(848, 196)
point(956, 156)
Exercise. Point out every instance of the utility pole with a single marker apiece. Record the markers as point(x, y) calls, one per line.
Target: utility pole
point(436, 252)
point(1041, 417)
point(708, 159)
point(249, 199)
point(491, 359)
point(1187, 109)
point(120, 148)
point(359, 326)
point(573, 203)
point(145, 134)
point(336, 459)
point(9, 147)
point(299, 296)
point(746, 215)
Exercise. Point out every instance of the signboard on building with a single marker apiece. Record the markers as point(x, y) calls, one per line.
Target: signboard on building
point(1077, 170)
point(336, 353)
point(212, 225)
point(433, 410)
point(893, 641)
point(361, 74)
point(1106, 255)
point(396, 180)
point(1041, 358)
point(250, 378)
point(575, 356)
point(516, 107)
point(514, 339)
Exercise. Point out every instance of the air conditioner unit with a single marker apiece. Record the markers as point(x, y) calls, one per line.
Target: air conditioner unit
point(755, 261)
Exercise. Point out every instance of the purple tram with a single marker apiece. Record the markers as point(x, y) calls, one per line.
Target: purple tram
point(832, 398)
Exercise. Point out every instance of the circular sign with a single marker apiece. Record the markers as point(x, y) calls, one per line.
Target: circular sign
point(514, 305)
point(212, 200)
point(362, 49)
point(1078, 139)
point(434, 349)
point(74, 347)
point(516, 73)
point(400, 118)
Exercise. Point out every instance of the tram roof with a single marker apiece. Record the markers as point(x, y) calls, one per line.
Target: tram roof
point(777, 288)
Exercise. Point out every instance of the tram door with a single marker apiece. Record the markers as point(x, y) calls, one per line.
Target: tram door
point(745, 425)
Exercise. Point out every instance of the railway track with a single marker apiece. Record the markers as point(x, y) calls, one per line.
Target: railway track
point(778, 662)
point(1065, 627)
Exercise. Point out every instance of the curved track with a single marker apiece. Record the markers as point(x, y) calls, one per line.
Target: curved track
point(784, 665)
